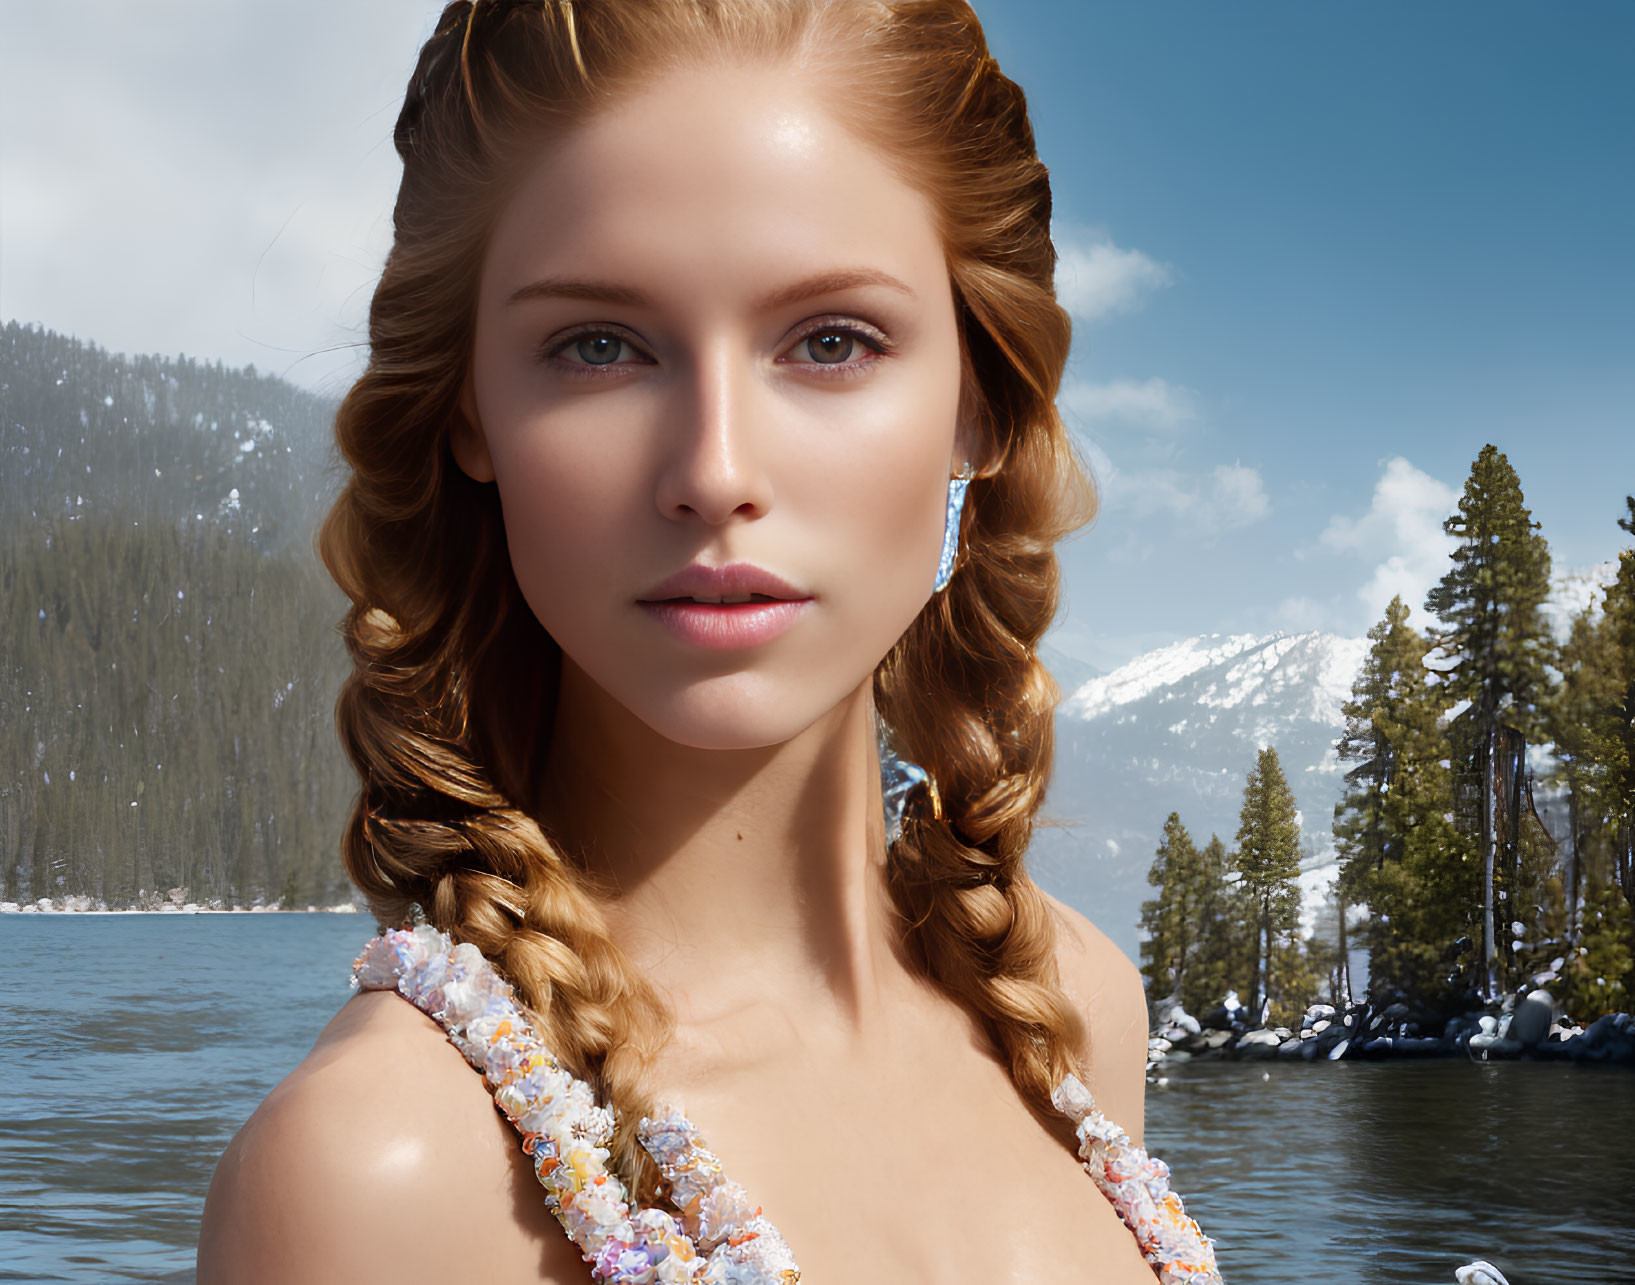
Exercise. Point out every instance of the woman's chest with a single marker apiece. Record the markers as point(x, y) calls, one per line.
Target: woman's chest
point(907, 1172)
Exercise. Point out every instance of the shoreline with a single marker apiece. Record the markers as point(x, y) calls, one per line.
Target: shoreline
point(1525, 1027)
point(45, 906)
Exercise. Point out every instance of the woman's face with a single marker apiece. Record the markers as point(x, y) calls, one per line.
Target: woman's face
point(716, 357)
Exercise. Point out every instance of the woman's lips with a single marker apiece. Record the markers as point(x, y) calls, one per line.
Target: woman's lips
point(725, 626)
point(737, 580)
point(690, 605)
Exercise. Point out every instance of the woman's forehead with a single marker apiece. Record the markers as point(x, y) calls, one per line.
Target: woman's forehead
point(718, 175)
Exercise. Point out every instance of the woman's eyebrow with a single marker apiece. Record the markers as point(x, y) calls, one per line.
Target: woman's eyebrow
point(574, 288)
point(609, 292)
point(833, 283)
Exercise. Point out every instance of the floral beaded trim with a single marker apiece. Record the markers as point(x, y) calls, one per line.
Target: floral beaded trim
point(1138, 1187)
point(723, 1240)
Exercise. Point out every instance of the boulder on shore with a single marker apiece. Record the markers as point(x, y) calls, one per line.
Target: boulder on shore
point(1529, 1026)
point(1530, 1023)
point(1607, 1039)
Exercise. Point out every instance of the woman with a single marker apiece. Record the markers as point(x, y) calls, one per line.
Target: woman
point(699, 319)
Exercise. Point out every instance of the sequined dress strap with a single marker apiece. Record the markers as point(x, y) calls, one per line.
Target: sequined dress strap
point(1137, 1184)
point(718, 1236)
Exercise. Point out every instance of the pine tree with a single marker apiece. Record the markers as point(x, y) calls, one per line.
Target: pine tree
point(1616, 752)
point(1292, 979)
point(1268, 867)
point(1583, 722)
point(1223, 958)
point(1592, 723)
point(1493, 651)
point(1363, 835)
point(1399, 853)
point(1597, 718)
point(1600, 972)
point(1171, 921)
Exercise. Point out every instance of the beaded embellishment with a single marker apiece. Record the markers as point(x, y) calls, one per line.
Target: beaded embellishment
point(1138, 1187)
point(720, 1236)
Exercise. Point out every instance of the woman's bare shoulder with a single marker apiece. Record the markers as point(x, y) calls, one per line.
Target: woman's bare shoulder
point(1107, 989)
point(382, 1151)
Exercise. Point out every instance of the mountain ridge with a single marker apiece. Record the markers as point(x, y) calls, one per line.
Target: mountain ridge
point(1177, 729)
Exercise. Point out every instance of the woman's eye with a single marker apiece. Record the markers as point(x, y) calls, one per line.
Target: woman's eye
point(589, 348)
point(847, 348)
point(599, 350)
point(829, 346)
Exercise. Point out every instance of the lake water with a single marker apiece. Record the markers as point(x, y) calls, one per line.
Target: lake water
point(133, 1046)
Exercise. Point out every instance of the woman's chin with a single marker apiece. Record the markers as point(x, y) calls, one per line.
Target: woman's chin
point(740, 711)
point(746, 708)
point(732, 725)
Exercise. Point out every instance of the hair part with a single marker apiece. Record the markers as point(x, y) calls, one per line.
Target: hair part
point(448, 710)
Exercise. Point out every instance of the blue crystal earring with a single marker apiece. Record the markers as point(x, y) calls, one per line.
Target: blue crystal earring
point(950, 528)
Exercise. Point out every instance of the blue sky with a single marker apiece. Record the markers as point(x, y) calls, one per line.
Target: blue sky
point(1318, 255)
point(1377, 232)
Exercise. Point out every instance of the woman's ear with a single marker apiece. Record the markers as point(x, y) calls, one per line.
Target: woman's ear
point(466, 441)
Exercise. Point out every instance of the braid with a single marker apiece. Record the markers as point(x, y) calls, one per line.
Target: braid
point(431, 826)
point(974, 918)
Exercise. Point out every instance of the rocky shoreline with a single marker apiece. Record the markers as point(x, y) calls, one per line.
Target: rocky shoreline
point(1530, 1026)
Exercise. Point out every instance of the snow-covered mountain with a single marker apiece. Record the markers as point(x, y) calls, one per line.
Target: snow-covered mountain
point(1178, 730)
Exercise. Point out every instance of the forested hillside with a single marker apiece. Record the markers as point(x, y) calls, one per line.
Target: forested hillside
point(168, 654)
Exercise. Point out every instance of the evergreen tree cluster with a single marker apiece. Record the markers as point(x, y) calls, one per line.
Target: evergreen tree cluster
point(1228, 922)
point(1468, 892)
point(168, 655)
point(1462, 890)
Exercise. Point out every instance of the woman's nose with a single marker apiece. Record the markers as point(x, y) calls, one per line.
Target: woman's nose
point(716, 435)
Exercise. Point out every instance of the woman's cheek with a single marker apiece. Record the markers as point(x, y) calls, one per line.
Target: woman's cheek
point(563, 539)
point(886, 537)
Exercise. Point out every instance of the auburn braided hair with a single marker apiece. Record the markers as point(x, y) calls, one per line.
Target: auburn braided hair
point(448, 708)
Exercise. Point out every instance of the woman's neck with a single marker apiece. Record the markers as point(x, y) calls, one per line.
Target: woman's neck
point(734, 878)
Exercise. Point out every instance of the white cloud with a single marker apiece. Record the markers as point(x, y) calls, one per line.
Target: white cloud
point(1227, 498)
point(1237, 496)
point(227, 195)
point(1153, 402)
point(1095, 278)
point(1301, 614)
point(1403, 531)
